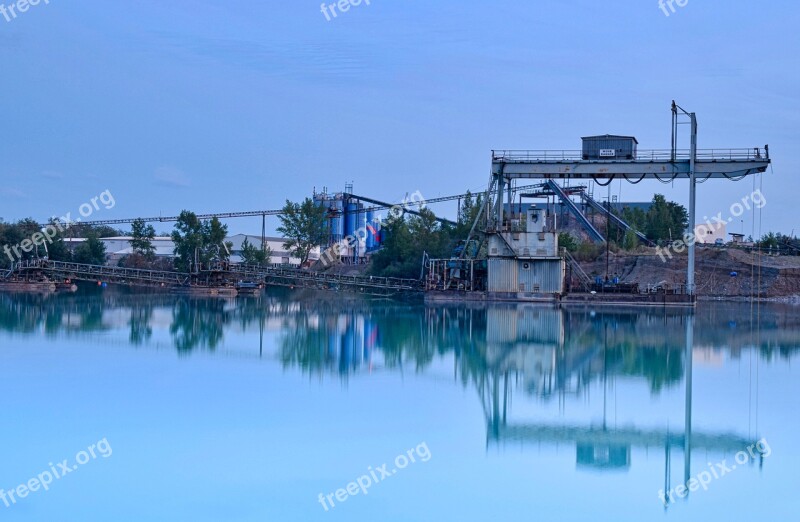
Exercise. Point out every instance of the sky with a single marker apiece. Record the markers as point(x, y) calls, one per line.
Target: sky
point(241, 105)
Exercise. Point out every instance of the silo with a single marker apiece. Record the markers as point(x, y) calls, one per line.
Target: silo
point(337, 229)
point(370, 230)
point(380, 234)
point(361, 229)
point(350, 218)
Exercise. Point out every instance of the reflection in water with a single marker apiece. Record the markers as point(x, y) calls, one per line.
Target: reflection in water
point(544, 355)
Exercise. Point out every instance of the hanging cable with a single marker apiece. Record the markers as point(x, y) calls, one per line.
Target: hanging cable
point(668, 181)
point(604, 184)
point(633, 182)
point(734, 178)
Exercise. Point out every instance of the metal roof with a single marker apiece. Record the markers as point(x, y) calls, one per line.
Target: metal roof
point(611, 136)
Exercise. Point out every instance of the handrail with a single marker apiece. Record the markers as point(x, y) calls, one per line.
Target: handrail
point(743, 154)
point(181, 278)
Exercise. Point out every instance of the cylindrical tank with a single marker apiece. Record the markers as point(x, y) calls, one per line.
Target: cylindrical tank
point(380, 234)
point(337, 227)
point(350, 218)
point(370, 230)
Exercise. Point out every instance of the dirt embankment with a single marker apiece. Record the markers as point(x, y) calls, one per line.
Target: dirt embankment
point(756, 275)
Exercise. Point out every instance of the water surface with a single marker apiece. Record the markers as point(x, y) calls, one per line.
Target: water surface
point(249, 409)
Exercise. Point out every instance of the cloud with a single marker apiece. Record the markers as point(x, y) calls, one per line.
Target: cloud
point(12, 192)
point(171, 177)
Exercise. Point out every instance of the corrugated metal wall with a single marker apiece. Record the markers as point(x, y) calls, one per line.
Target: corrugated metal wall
point(524, 323)
point(502, 275)
point(528, 276)
point(625, 147)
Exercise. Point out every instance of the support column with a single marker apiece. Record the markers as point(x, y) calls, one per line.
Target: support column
point(264, 232)
point(690, 285)
point(499, 210)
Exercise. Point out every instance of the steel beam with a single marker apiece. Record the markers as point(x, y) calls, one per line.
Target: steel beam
point(633, 170)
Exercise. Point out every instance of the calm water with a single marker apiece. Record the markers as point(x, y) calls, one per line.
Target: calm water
point(249, 409)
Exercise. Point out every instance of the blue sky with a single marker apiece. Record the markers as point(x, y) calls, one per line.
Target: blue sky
point(239, 105)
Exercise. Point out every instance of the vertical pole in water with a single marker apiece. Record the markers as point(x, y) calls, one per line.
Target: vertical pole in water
point(692, 197)
point(687, 428)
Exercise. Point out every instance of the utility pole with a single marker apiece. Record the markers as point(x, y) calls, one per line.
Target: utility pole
point(690, 286)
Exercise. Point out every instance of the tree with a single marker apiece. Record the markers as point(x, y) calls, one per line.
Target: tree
point(197, 242)
point(90, 252)
point(252, 255)
point(216, 248)
point(568, 241)
point(394, 259)
point(469, 212)
point(665, 221)
point(57, 249)
point(100, 231)
point(630, 241)
point(142, 236)
point(188, 239)
point(304, 227)
point(408, 240)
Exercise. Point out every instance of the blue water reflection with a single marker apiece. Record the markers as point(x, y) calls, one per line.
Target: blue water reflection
point(249, 409)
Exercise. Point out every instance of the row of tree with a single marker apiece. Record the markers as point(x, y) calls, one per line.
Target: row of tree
point(406, 240)
point(24, 240)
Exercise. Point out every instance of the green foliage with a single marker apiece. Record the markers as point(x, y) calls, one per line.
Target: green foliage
point(57, 249)
point(100, 231)
point(468, 213)
point(304, 227)
point(778, 241)
point(665, 220)
point(568, 241)
point(588, 251)
point(142, 236)
point(252, 255)
point(198, 241)
point(631, 241)
point(14, 234)
point(407, 240)
point(90, 252)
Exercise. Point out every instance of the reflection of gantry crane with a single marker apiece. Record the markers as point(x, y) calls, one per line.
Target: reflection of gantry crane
point(598, 446)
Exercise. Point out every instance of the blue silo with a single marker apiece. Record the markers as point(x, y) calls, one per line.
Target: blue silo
point(370, 230)
point(337, 223)
point(350, 218)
